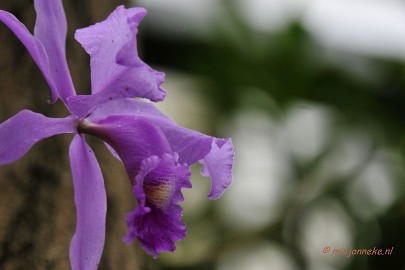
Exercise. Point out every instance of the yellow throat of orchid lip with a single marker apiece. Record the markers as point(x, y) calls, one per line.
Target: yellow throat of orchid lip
point(158, 195)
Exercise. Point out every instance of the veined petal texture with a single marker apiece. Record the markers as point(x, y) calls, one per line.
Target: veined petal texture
point(20, 132)
point(91, 207)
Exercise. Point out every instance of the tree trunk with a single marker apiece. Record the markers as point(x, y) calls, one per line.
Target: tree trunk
point(36, 195)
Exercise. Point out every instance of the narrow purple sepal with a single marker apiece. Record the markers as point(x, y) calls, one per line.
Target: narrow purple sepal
point(50, 29)
point(91, 206)
point(34, 47)
point(19, 133)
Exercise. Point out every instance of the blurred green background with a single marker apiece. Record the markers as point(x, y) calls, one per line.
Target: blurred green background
point(313, 95)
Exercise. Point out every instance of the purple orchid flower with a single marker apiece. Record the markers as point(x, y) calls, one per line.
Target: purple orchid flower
point(155, 152)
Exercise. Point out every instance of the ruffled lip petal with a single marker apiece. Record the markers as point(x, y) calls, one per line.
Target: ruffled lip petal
point(19, 133)
point(156, 221)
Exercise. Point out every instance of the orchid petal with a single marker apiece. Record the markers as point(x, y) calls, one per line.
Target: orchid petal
point(218, 165)
point(140, 81)
point(156, 221)
point(133, 138)
point(104, 40)
point(191, 146)
point(112, 151)
point(217, 155)
point(34, 47)
point(20, 132)
point(50, 29)
point(116, 70)
point(155, 173)
point(91, 207)
point(127, 107)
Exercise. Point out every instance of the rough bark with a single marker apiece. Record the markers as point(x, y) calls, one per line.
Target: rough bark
point(36, 195)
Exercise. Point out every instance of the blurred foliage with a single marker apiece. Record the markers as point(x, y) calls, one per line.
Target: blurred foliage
point(364, 93)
